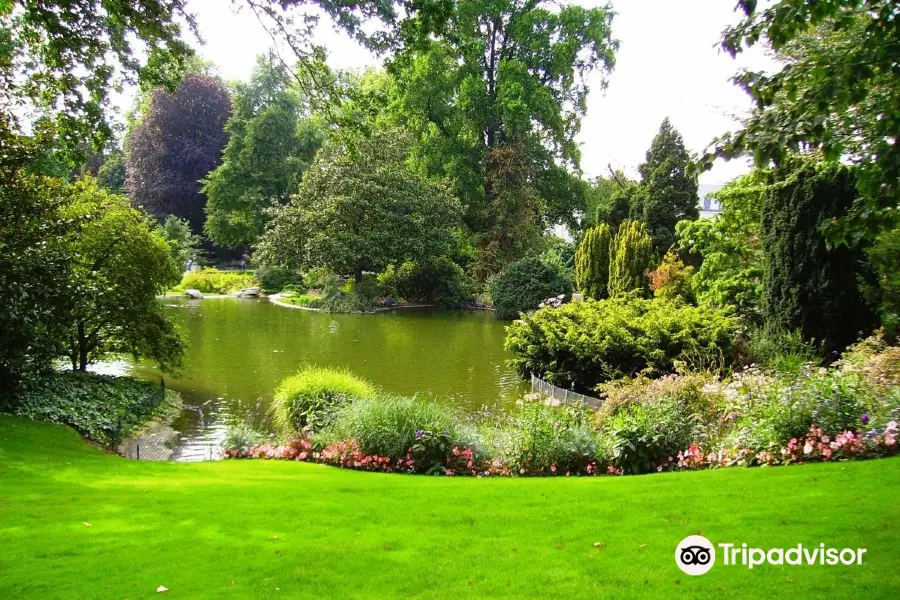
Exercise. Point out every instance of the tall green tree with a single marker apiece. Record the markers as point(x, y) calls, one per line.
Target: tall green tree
point(117, 267)
point(507, 77)
point(33, 264)
point(632, 259)
point(808, 286)
point(271, 142)
point(176, 144)
point(361, 208)
point(837, 89)
point(730, 247)
point(592, 261)
point(669, 191)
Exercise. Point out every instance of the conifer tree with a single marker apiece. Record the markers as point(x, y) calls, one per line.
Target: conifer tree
point(632, 259)
point(669, 193)
point(808, 286)
point(592, 261)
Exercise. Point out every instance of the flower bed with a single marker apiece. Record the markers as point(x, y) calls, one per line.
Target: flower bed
point(815, 447)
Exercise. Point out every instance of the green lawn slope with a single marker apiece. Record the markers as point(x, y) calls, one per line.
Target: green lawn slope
point(256, 529)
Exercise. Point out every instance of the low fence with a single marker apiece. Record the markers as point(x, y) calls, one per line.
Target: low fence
point(562, 395)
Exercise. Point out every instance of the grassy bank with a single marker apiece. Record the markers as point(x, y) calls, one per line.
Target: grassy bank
point(253, 529)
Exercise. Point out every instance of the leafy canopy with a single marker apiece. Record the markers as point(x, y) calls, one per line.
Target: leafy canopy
point(838, 89)
point(178, 141)
point(360, 208)
point(730, 274)
point(63, 57)
point(270, 144)
point(117, 266)
point(503, 85)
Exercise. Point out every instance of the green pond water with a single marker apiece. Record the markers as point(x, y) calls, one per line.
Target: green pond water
point(238, 351)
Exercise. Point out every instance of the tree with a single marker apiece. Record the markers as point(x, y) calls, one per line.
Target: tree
point(511, 218)
point(65, 56)
point(117, 267)
point(807, 286)
point(669, 193)
point(270, 144)
point(524, 284)
point(33, 264)
point(607, 200)
point(631, 260)
point(837, 90)
point(184, 245)
point(360, 208)
point(672, 279)
point(592, 260)
point(505, 77)
point(175, 145)
point(730, 247)
point(111, 174)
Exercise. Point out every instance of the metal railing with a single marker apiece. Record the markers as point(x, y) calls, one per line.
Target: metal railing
point(561, 394)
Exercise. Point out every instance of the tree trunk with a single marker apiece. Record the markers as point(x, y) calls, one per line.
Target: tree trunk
point(82, 348)
point(357, 274)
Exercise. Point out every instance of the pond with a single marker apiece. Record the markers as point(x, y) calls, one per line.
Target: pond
point(239, 350)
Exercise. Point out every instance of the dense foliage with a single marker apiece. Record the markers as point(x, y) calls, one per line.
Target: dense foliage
point(117, 266)
point(184, 244)
point(440, 282)
point(495, 100)
point(592, 262)
point(837, 89)
point(176, 143)
point(730, 247)
point(631, 259)
point(213, 281)
point(393, 426)
point(807, 285)
point(523, 285)
point(66, 56)
point(672, 279)
point(587, 343)
point(668, 191)
point(270, 143)
point(884, 293)
point(34, 264)
point(104, 409)
point(360, 208)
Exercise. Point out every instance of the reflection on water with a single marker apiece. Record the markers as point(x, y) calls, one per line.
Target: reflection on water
point(238, 351)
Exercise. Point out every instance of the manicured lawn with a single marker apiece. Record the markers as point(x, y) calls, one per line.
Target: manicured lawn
point(254, 529)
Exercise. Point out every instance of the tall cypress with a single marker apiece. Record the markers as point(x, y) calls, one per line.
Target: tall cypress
point(808, 286)
point(633, 257)
point(592, 260)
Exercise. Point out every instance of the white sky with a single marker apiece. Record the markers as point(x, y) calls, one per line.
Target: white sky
point(668, 64)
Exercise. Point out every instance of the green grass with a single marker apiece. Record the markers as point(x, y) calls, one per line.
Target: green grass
point(209, 530)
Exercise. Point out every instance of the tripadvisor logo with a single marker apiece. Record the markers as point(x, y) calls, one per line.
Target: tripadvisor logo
point(695, 555)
